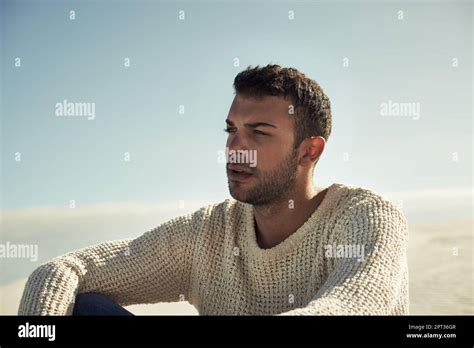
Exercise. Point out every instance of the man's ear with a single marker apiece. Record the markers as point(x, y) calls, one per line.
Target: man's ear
point(311, 150)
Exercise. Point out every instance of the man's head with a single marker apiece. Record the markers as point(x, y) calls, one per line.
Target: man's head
point(285, 118)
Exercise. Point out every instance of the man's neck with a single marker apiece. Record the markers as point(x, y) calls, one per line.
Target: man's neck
point(276, 222)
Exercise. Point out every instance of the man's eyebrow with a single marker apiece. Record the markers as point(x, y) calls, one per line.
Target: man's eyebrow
point(253, 125)
point(260, 124)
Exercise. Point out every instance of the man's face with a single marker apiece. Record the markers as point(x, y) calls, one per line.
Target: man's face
point(264, 127)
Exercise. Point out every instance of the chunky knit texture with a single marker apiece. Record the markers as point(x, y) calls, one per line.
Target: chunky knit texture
point(211, 258)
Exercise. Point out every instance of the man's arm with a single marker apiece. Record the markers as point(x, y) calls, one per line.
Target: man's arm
point(370, 287)
point(154, 267)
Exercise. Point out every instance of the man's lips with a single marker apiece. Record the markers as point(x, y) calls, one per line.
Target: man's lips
point(238, 169)
point(238, 173)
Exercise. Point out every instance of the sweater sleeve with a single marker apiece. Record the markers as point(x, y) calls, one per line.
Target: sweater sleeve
point(371, 285)
point(154, 267)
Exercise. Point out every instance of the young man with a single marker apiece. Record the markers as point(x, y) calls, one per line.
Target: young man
point(280, 246)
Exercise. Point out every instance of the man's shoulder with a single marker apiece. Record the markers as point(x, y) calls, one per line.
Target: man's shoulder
point(369, 215)
point(366, 201)
point(221, 210)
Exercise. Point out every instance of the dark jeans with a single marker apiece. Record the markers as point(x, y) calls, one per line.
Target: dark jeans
point(97, 304)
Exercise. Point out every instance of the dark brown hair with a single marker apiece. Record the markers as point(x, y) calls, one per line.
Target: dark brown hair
point(312, 108)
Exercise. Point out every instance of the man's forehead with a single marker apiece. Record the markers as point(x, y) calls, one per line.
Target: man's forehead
point(267, 106)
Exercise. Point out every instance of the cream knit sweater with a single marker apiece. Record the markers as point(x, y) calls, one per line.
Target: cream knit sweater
point(349, 258)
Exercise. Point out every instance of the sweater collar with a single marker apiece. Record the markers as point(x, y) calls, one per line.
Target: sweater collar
point(293, 240)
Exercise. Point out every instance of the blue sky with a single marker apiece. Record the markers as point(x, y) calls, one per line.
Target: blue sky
point(191, 63)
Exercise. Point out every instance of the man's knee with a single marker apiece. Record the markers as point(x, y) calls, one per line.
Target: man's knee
point(97, 304)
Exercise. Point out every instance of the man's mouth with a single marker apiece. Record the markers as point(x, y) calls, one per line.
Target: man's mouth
point(236, 173)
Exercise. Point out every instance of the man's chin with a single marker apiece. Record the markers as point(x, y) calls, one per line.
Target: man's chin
point(238, 194)
point(238, 197)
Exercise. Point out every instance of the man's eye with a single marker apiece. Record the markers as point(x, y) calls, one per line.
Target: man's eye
point(255, 131)
point(259, 132)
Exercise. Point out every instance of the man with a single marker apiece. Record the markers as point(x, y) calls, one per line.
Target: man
point(280, 246)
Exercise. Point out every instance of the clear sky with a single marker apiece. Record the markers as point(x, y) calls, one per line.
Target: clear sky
point(190, 62)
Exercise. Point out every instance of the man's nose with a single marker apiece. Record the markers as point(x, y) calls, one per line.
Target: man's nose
point(237, 141)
